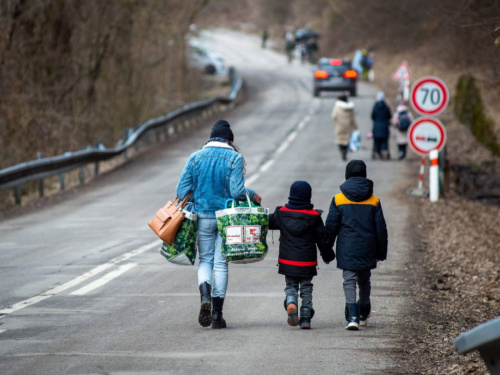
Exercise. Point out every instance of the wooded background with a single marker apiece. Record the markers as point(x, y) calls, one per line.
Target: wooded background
point(76, 71)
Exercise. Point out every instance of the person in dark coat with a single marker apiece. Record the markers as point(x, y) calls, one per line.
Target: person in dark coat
point(356, 221)
point(381, 116)
point(301, 230)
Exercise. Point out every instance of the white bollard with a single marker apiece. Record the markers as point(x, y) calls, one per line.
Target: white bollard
point(434, 176)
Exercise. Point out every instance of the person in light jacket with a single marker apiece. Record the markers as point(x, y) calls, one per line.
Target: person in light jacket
point(212, 175)
point(345, 123)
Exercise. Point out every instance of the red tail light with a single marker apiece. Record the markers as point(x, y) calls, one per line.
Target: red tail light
point(335, 62)
point(350, 74)
point(320, 74)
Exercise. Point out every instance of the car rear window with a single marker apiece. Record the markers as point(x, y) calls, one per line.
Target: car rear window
point(334, 68)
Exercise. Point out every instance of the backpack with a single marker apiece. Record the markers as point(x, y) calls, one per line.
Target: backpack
point(404, 121)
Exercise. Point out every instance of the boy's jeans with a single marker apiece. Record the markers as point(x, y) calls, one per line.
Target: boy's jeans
point(362, 279)
point(211, 259)
point(305, 285)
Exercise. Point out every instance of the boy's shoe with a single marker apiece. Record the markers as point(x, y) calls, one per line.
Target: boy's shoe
point(364, 313)
point(306, 314)
point(352, 317)
point(292, 311)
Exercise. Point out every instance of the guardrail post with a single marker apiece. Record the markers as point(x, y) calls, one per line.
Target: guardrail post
point(128, 131)
point(41, 184)
point(62, 181)
point(137, 142)
point(96, 165)
point(17, 195)
point(82, 175)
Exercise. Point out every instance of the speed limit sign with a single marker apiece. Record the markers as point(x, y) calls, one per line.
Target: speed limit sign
point(429, 96)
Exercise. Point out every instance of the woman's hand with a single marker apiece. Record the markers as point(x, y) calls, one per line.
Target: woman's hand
point(258, 198)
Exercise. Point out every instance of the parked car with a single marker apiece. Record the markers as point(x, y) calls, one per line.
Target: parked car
point(207, 61)
point(335, 75)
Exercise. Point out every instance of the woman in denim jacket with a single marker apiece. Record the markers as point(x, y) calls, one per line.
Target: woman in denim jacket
point(213, 174)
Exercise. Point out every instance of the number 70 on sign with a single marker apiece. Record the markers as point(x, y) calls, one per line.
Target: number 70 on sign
point(429, 96)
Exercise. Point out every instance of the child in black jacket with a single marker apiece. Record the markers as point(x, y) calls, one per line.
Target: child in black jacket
point(357, 222)
point(301, 230)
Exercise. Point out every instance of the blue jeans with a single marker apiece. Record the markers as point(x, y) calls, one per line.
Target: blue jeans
point(211, 259)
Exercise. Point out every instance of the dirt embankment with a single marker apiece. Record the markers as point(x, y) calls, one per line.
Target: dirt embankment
point(454, 272)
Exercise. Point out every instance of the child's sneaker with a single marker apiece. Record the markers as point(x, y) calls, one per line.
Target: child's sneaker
point(364, 313)
point(292, 311)
point(352, 317)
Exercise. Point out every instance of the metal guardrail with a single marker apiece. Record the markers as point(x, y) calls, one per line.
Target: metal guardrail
point(486, 339)
point(13, 177)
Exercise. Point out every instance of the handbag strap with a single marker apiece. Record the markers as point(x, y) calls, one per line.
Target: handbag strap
point(182, 204)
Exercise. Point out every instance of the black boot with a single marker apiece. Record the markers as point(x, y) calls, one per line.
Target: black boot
point(205, 317)
point(291, 307)
point(352, 316)
point(217, 319)
point(306, 314)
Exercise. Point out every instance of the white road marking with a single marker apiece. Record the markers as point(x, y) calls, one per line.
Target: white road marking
point(263, 168)
point(77, 280)
point(104, 279)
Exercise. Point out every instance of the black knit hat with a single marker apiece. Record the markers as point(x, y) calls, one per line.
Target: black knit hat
point(355, 168)
point(221, 129)
point(300, 196)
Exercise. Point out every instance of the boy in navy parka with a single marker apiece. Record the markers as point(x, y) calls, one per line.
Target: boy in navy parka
point(356, 221)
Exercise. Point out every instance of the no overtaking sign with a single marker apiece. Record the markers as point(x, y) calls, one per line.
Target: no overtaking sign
point(426, 134)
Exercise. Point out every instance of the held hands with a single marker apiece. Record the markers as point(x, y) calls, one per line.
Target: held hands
point(258, 198)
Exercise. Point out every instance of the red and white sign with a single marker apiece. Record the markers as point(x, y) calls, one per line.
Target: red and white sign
point(429, 96)
point(426, 134)
point(403, 73)
point(252, 233)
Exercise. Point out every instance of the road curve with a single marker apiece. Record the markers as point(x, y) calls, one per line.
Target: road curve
point(84, 290)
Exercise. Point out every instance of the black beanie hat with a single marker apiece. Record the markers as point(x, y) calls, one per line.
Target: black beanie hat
point(221, 129)
point(355, 168)
point(300, 196)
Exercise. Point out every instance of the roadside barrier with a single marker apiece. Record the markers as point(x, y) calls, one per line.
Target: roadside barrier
point(171, 123)
point(486, 339)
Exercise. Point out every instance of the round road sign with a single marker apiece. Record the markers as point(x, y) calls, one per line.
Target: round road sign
point(429, 96)
point(426, 134)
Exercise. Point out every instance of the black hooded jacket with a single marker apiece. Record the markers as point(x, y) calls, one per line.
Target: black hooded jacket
point(357, 221)
point(300, 232)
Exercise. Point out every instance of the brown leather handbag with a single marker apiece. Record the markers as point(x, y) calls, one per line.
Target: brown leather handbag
point(168, 219)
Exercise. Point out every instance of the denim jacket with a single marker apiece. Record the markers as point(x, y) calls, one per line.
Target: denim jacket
point(213, 174)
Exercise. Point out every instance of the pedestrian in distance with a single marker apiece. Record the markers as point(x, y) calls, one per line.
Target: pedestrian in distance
point(301, 231)
point(345, 123)
point(212, 175)
point(402, 120)
point(356, 222)
point(265, 36)
point(381, 116)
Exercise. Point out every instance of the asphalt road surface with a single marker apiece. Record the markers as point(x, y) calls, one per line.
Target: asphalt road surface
point(84, 289)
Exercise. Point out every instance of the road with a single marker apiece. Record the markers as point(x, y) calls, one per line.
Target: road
point(84, 290)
